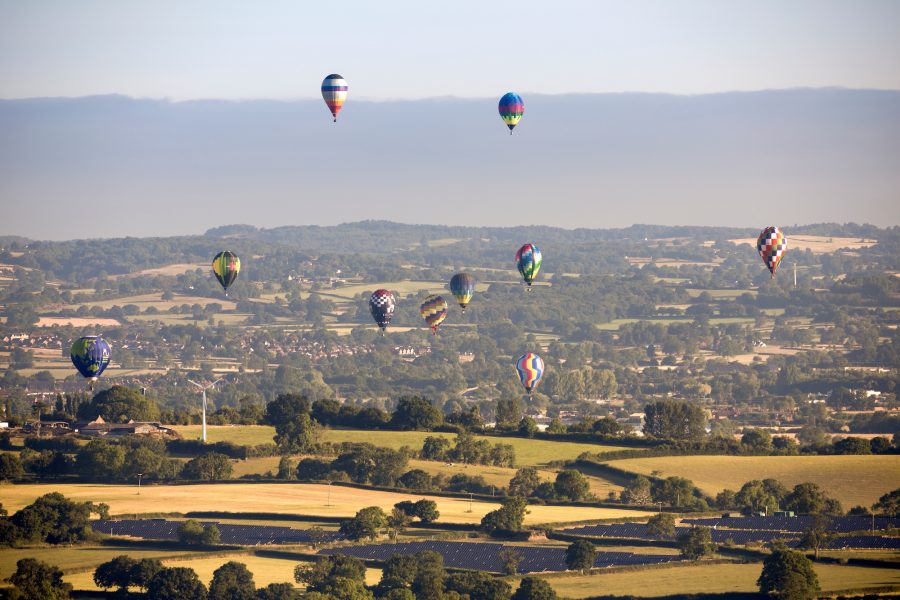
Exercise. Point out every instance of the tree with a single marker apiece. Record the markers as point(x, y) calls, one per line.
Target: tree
point(674, 420)
point(524, 482)
point(416, 413)
point(10, 466)
point(580, 556)
point(788, 575)
point(506, 519)
point(339, 575)
point(286, 469)
point(36, 580)
point(176, 583)
point(528, 427)
point(279, 591)
point(809, 499)
point(571, 484)
point(756, 497)
point(119, 404)
point(675, 491)
point(661, 525)
point(509, 560)
point(190, 532)
point(211, 466)
point(607, 426)
point(534, 588)
point(435, 448)
point(758, 441)
point(232, 581)
point(817, 535)
point(853, 445)
point(426, 511)
point(367, 523)
point(888, 504)
point(211, 535)
point(116, 573)
point(297, 435)
point(696, 543)
point(286, 407)
point(428, 583)
point(476, 585)
point(54, 519)
point(417, 480)
point(100, 459)
point(637, 491)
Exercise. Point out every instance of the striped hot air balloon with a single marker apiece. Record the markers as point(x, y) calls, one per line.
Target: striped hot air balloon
point(462, 286)
point(511, 109)
point(434, 311)
point(528, 261)
point(771, 246)
point(334, 91)
point(226, 266)
point(530, 368)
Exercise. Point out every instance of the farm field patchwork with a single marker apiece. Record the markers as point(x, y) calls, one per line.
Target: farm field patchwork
point(817, 244)
point(296, 498)
point(711, 579)
point(852, 479)
point(73, 558)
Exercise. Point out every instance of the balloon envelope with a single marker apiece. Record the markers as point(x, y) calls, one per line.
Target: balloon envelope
point(511, 109)
point(90, 355)
point(226, 266)
point(528, 261)
point(334, 92)
point(434, 311)
point(530, 368)
point(381, 303)
point(771, 246)
point(462, 286)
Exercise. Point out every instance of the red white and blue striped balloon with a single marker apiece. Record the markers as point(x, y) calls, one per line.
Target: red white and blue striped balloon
point(334, 91)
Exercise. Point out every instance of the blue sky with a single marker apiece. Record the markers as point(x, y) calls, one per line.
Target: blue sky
point(390, 50)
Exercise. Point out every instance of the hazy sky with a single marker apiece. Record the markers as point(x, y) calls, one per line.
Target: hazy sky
point(412, 49)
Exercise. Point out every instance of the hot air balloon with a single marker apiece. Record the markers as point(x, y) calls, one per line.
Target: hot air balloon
point(511, 109)
point(226, 265)
point(334, 91)
point(462, 286)
point(90, 355)
point(531, 369)
point(528, 261)
point(434, 311)
point(771, 246)
point(381, 303)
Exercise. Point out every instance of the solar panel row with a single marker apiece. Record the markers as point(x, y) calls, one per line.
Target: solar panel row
point(482, 556)
point(244, 535)
point(799, 524)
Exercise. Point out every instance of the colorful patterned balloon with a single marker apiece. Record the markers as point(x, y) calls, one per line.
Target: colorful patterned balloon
point(462, 286)
point(511, 109)
point(771, 246)
point(334, 91)
point(381, 303)
point(434, 311)
point(90, 355)
point(226, 266)
point(531, 369)
point(528, 261)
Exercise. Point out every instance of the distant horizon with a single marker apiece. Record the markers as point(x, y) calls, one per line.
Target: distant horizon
point(524, 93)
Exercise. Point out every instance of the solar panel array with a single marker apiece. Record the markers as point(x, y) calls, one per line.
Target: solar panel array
point(799, 524)
point(746, 530)
point(482, 556)
point(243, 535)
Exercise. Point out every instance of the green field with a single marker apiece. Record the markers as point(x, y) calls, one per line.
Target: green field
point(293, 498)
point(528, 452)
point(711, 579)
point(852, 479)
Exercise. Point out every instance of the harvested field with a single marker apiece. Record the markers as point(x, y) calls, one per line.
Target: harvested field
point(817, 244)
point(852, 479)
point(77, 322)
point(295, 498)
